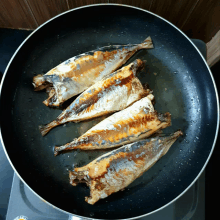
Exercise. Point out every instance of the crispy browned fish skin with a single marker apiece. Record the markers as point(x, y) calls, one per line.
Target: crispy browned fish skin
point(117, 91)
point(117, 169)
point(78, 73)
point(138, 121)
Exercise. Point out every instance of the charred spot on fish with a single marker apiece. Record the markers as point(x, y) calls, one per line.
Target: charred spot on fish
point(99, 186)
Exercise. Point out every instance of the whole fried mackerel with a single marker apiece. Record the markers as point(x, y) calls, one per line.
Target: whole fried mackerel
point(80, 72)
point(117, 169)
point(138, 121)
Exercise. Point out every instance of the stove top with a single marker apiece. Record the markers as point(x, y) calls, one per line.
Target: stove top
point(25, 204)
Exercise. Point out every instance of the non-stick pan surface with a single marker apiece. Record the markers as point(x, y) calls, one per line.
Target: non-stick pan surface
point(182, 84)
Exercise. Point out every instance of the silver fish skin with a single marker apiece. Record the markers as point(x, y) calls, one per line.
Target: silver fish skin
point(80, 72)
point(117, 169)
point(137, 121)
point(114, 93)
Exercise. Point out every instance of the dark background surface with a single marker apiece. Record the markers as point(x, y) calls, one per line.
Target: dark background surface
point(9, 41)
point(199, 19)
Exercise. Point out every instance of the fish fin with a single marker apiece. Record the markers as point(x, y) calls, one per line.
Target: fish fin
point(72, 178)
point(178, 133)
point(44, 129)
point(52, 98)
point(171, 140)
point(147, 90)
point(147, 43)
point(160, 133)
point(46, 102)
point(157, 133)
point(166, 117)
point(56, 151)
point(151, 97)
point(39, 82)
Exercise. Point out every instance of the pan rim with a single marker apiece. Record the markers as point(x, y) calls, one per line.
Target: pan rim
point(134, 7)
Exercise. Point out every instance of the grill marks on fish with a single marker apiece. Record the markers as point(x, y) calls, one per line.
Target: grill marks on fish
point(117, 169)
point(114, 93)
point(78, 73)
point(140, 120)
point(122, 130)
point(125, 131)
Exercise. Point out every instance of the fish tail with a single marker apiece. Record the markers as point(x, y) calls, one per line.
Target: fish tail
point(44, 129)
point(178, 133)
point(57, 149)
point(66, 147)
point(147, 43)
point(168, 141)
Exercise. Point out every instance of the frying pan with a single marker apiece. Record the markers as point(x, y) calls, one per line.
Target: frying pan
point(175, 70)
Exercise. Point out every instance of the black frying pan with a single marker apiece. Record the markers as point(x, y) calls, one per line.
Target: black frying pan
point(176, 71)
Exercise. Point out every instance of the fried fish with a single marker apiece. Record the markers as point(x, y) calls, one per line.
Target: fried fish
point(138, 121)
point(114, 93)
point(80, 72)
point(117, 169)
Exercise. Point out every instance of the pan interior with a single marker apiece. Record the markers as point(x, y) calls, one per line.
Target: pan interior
point(175, 71)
